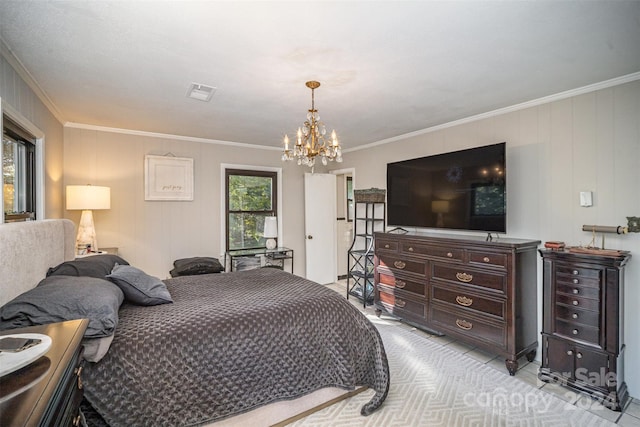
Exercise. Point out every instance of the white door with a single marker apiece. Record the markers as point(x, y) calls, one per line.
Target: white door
point(320, 227)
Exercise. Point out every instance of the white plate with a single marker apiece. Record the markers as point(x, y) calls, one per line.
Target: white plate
point(10, 362)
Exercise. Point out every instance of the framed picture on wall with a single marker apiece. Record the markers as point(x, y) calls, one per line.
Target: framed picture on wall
point(168, 178)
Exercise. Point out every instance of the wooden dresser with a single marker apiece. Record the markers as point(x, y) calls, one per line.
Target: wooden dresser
point(582, 333)
point(481, 292)
point(48, 391)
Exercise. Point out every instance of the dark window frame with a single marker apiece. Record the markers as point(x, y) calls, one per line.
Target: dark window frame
point(17, 135)
point(274, 197)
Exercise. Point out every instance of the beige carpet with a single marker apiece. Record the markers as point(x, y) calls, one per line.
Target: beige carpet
point(433, 385)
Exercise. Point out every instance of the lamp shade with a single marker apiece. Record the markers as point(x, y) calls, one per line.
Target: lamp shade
point(88, 197)
point(440, 206)
point(270, 227)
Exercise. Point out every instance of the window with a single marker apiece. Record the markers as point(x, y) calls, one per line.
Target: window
point(18, 172)
point(251, 195)
point(488, 200)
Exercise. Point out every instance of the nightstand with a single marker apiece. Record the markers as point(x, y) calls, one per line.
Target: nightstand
point(102, 251)
point(48, 391)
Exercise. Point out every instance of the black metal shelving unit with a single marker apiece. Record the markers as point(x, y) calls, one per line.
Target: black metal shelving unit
point(369, 217)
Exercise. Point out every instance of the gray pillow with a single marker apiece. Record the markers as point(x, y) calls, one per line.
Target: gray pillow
point(60, 298)
point(196, 265)
point(92, 266)
point(138, 287)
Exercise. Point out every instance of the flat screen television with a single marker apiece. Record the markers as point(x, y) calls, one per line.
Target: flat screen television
point(460, 190)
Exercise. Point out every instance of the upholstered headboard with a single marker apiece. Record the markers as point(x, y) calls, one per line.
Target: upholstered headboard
point(29, 249)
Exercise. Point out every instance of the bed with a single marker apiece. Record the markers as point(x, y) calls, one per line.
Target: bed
point(228, 345)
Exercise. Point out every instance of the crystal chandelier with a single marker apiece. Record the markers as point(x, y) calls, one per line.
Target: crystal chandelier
point(311, 141)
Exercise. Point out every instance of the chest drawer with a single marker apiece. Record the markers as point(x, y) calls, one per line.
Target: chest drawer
point(488, 258)
point(495, 282)
point(412, 248)
point(582, 291)
point(469, 326)
point(584, 317)
point(576, 331)
point(578, 272)
point(407, 285)
point(461, 298)
point(386, 245)
point(577, 281)
point(400, 304)
point(578, 302)
point(404, 265)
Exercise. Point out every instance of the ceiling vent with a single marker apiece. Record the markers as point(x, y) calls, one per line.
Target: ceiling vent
point(200, 92)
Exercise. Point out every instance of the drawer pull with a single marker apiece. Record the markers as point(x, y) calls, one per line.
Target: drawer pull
point(400, 284)
point(386, 246)
point(399, 264)
point(579, 355)
point(462, 300)
point(576, 291)
point(410, 249)
point(574, 316)
point(575, 272)
point(574, 302)
point(570, 352)
point(400, 303)
point(78, 372)
point(486, 259)
point(463, 324)
point(449, 255)
point(574, 332)
point(576, 281)
point(464, 277)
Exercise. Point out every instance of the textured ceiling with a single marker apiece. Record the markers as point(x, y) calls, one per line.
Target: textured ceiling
point(386, 68)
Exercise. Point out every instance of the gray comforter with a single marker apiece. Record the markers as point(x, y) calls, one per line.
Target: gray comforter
point(230, 343)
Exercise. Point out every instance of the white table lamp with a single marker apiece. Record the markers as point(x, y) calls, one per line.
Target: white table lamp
point(271, 231)
point(87, 198)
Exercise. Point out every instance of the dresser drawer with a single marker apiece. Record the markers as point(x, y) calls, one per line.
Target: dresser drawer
point(584, 317)
point(576, 331)
point(495, 282)
point(398, 282)
point(416, 249)
point(403, 264)
point(465, 300)
point(386, 245)
point(587, 282)
point(578, 302)
point(578, 272)
point(582, 291)
point(399, 303)
point(488, 258)
point(467, 325)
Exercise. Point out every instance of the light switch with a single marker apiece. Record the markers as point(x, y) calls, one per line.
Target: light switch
point(586, 198)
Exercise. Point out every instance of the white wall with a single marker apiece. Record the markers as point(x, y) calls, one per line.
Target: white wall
point(589, 142)
point(18, 96)
point(152, 234)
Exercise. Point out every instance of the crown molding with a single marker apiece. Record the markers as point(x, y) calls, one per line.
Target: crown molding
point(168, 136)
point(22, 71)
point(517, 107)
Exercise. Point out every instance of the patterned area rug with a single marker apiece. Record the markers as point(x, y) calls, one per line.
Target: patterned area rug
point(432, 385)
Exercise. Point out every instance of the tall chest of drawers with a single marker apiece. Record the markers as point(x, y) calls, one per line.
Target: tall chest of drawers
point(480, 292)
point(582, 329)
